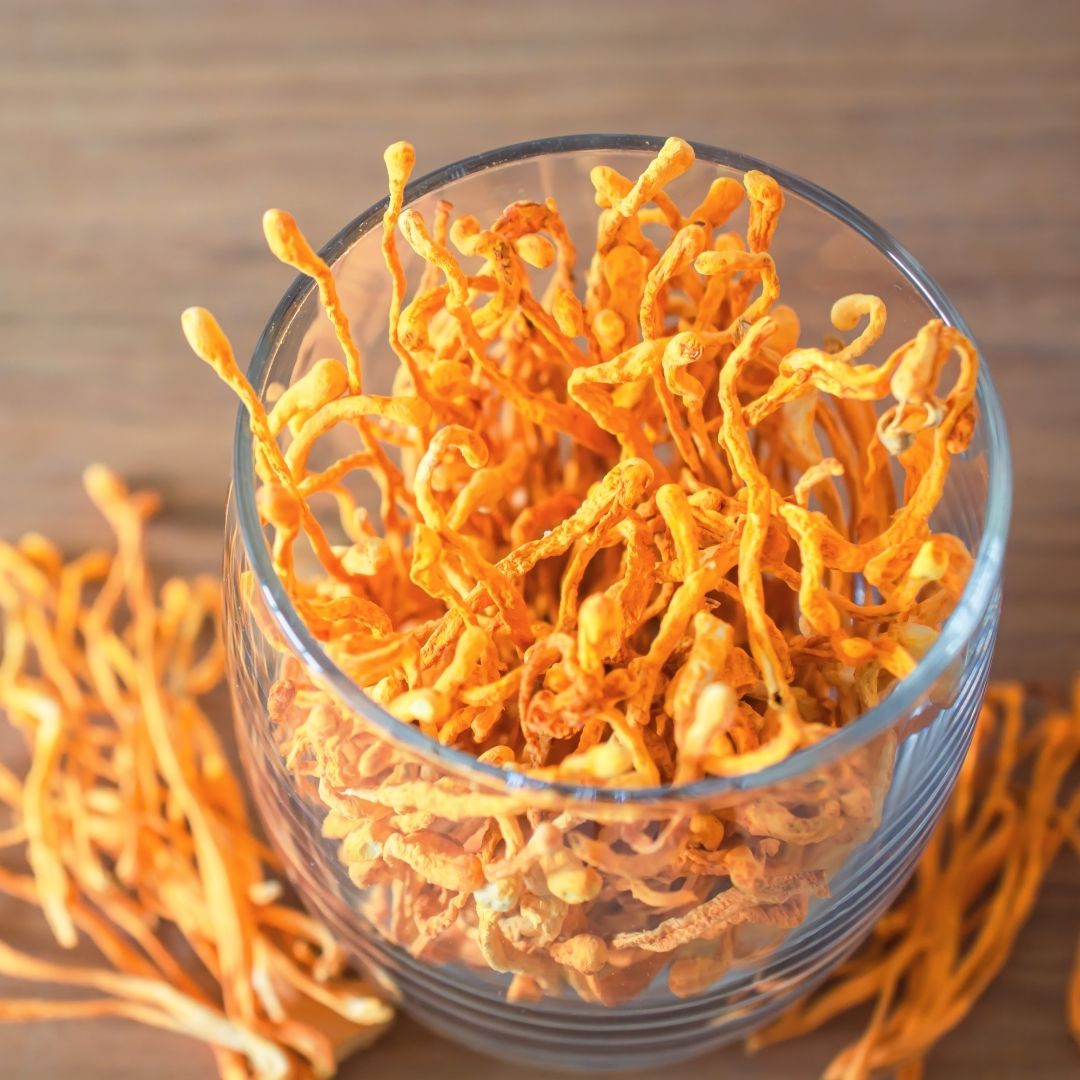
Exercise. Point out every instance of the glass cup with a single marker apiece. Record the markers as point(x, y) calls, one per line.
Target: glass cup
point(659, 955)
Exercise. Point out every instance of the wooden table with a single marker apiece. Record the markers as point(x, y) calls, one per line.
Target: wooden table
point(139, 143)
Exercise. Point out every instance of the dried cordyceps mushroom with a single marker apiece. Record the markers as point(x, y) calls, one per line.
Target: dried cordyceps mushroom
point(659, 604)
point(933, 954)
point(133, 825)
point(610, 550)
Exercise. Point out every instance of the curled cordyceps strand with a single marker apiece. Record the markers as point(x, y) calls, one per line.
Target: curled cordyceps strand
point(624, 487)
point(687, 244)
point(622, 220)
point(814, 600)
point(802, 370)
point(209, 343)
point(727, 909)
point(848, 312)
point(588, 386)
point(912, 385)
point(406, 412)
point(486, 488)
point(523, 220)
point(505, 266)
point(673, 159)
point(703, 706)
point(326, 381)
point(399, 158)
point(288, 243)
point(472, 448)
point(734, 438)
point(727, 262)
point(498, 586)
point(415, 232)
point(612, 188)
point(912, 518)
point(682, 351)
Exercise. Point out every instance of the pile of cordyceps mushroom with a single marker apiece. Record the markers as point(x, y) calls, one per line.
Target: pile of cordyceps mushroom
point(610, 550)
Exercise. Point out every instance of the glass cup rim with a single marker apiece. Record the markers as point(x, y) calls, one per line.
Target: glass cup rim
point(902, 699)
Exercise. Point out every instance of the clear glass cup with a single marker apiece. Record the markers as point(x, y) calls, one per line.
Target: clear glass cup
point(849, 816)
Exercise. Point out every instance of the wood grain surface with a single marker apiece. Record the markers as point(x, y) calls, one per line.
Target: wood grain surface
point(140, 142)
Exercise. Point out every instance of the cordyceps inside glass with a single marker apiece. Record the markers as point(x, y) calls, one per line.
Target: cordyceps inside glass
point(584, 864)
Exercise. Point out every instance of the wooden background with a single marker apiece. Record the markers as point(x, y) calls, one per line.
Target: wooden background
point(140, 142)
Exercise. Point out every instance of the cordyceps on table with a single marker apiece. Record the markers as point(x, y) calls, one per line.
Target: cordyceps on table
point(133, 826)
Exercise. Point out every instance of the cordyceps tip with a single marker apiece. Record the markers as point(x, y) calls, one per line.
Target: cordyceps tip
point(676, 147)
point(411, 224)
point(596, 612)
point(400, 157)
point(760, 185)
point(287, 242)
point(537, 251)
point(848, 310)
point(103, 485)
point(206, 338)
point(568, 313)
point(685, 348)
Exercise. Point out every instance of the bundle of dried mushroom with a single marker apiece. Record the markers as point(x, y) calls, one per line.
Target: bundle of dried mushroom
point(610, 551)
